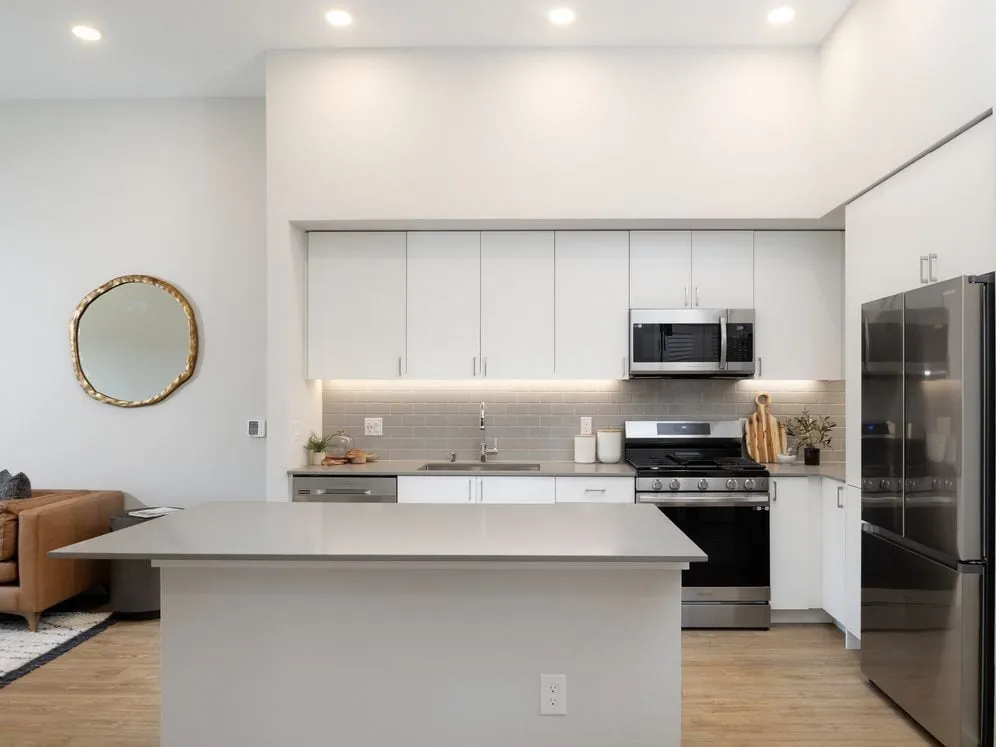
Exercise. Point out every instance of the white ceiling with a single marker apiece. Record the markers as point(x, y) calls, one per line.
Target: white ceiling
point(216, 47)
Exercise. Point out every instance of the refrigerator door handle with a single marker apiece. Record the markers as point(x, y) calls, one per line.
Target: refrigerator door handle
point(924, 262)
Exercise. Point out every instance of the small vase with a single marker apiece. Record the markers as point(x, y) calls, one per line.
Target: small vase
point(316, 458)
point(811, 456)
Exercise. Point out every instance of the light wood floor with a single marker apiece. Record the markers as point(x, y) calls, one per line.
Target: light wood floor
point(795, 685)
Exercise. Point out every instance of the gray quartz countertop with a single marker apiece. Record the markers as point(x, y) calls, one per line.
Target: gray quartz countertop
point(262, 531)
point(411, 467)
point(833, 470)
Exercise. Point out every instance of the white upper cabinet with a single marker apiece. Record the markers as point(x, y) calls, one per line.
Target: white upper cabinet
point(660, 269)
point(355, 276)
point(722, 269)
point(799, 304)
point(517, 304)
point(592, 302)
point(444, 305)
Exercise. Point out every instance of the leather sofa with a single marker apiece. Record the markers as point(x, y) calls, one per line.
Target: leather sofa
point(31, 581)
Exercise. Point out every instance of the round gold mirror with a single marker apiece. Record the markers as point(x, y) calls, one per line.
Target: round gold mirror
point(134, 341)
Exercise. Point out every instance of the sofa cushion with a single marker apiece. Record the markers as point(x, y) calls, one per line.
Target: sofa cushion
point(14, 487)
point(9, 510)
point(8, 572)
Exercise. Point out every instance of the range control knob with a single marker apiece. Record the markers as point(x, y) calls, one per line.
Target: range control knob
point(886, 484)
point(703, 484)
point(674, 484)
point(731, 484)
point(749, 484)
point(657, 485)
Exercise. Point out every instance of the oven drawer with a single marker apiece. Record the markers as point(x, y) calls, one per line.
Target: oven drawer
point(596, 489)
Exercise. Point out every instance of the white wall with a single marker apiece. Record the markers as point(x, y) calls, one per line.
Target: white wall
point(94, 189)
point(897, 76)
point(566, 134)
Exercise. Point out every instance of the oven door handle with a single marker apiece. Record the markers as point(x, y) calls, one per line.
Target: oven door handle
point(723, 357)
point(713, 500)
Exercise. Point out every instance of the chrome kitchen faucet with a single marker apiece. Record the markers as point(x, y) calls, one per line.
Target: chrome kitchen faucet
point(485, 451)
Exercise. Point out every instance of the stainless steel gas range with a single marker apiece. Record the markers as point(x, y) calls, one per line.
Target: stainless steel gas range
point(699, 475)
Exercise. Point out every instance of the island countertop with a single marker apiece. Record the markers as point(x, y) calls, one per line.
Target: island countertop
point(366, 532)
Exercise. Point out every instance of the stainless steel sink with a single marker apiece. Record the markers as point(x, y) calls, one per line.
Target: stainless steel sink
point(478, 467)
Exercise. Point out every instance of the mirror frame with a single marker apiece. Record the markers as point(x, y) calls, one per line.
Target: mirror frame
point(192, 346)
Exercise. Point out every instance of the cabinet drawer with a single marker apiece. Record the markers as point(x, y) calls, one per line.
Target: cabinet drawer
point(596, 490)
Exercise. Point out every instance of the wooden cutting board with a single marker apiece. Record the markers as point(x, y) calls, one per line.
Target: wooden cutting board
point(766, 436)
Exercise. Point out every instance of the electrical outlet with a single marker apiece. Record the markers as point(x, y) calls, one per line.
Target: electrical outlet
point(553, 695)
point(373, 426)
point(585, 426)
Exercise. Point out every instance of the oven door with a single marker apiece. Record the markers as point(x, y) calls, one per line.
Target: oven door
point(734, 532)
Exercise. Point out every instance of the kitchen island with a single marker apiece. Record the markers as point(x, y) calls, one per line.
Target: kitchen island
point(384, 625)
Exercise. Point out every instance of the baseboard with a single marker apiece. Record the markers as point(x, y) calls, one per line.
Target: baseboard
point(795, 617)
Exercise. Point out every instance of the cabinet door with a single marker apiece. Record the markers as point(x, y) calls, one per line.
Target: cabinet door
point(517, 304)
point(596, 490)
point(437, 489)
point(660, 269)
point(592, 290)
point(799, 304)
point(516, 489)
point(444, 305)
point(349, 274)
point(791, 544)
point(832, 510)
point(852, 561)
point(723, 269)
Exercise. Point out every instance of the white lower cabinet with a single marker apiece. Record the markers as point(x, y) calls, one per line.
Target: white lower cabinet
point(451, 489)
point(852, 561)
point(596, 490)
point(796, 578)
point(833, 503)
point(516, 489)
point(433, 489)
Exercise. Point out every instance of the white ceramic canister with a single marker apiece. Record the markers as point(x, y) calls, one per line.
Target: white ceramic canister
point(609, 445)
point(584, 449)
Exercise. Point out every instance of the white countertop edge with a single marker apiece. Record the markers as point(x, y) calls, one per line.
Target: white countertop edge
point(436, 565)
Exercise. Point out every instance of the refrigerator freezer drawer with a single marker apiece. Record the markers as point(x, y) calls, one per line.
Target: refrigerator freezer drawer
point(920, 638)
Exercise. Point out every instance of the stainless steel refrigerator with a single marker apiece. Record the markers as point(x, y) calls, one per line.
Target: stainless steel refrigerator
point(928, 496)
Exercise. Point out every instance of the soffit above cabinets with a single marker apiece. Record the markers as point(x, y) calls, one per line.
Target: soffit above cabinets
point(217, 47)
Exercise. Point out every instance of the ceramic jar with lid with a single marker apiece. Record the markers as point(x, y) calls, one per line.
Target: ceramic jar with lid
point(338, 445)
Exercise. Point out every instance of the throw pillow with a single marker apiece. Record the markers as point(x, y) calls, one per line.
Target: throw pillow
point(4, 476)
point(18, 486)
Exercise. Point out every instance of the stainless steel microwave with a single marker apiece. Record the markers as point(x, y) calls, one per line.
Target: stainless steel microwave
point(691, 342)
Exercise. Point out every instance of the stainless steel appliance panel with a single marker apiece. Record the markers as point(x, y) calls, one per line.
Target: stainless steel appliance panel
point(344, 489)
point(943, 506)
point(920, 641)
point(882, 425)
point(740, 616)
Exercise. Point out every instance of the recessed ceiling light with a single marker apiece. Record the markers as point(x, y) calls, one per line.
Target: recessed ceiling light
point(338, 18)
point(782, 15)
point(86, 33)
point(562, 16)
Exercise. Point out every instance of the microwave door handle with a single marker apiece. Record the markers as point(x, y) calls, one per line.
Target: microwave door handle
point(722, 343)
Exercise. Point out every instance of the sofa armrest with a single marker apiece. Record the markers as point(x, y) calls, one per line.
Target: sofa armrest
point(45, 581)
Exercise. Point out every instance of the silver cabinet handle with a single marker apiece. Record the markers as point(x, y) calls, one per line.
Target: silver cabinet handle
point(401, 369)
point(475, 365)
point(697, 295)
point(484, 365)
point(774, 490)
point(594, 490)
point(470, 491)
point(924, 260)
point(625, 367)
point(480, 491)
point(840, 497)
point(760, 365)
point(686, 295)
point(932, 267)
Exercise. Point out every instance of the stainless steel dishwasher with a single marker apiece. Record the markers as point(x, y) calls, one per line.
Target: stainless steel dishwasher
point(344, 489)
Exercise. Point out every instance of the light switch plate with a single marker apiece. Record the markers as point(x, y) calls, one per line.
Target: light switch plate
point(373, 426)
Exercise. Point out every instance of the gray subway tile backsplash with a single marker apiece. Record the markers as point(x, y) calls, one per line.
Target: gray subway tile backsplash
point(536, 421)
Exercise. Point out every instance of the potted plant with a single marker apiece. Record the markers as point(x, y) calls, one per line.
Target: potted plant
point(812, 433)
point(316, 447)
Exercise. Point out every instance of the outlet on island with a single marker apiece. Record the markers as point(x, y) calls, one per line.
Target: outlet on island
point(373, 426)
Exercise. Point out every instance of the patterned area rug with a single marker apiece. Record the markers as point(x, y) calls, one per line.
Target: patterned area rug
point(22, 651)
